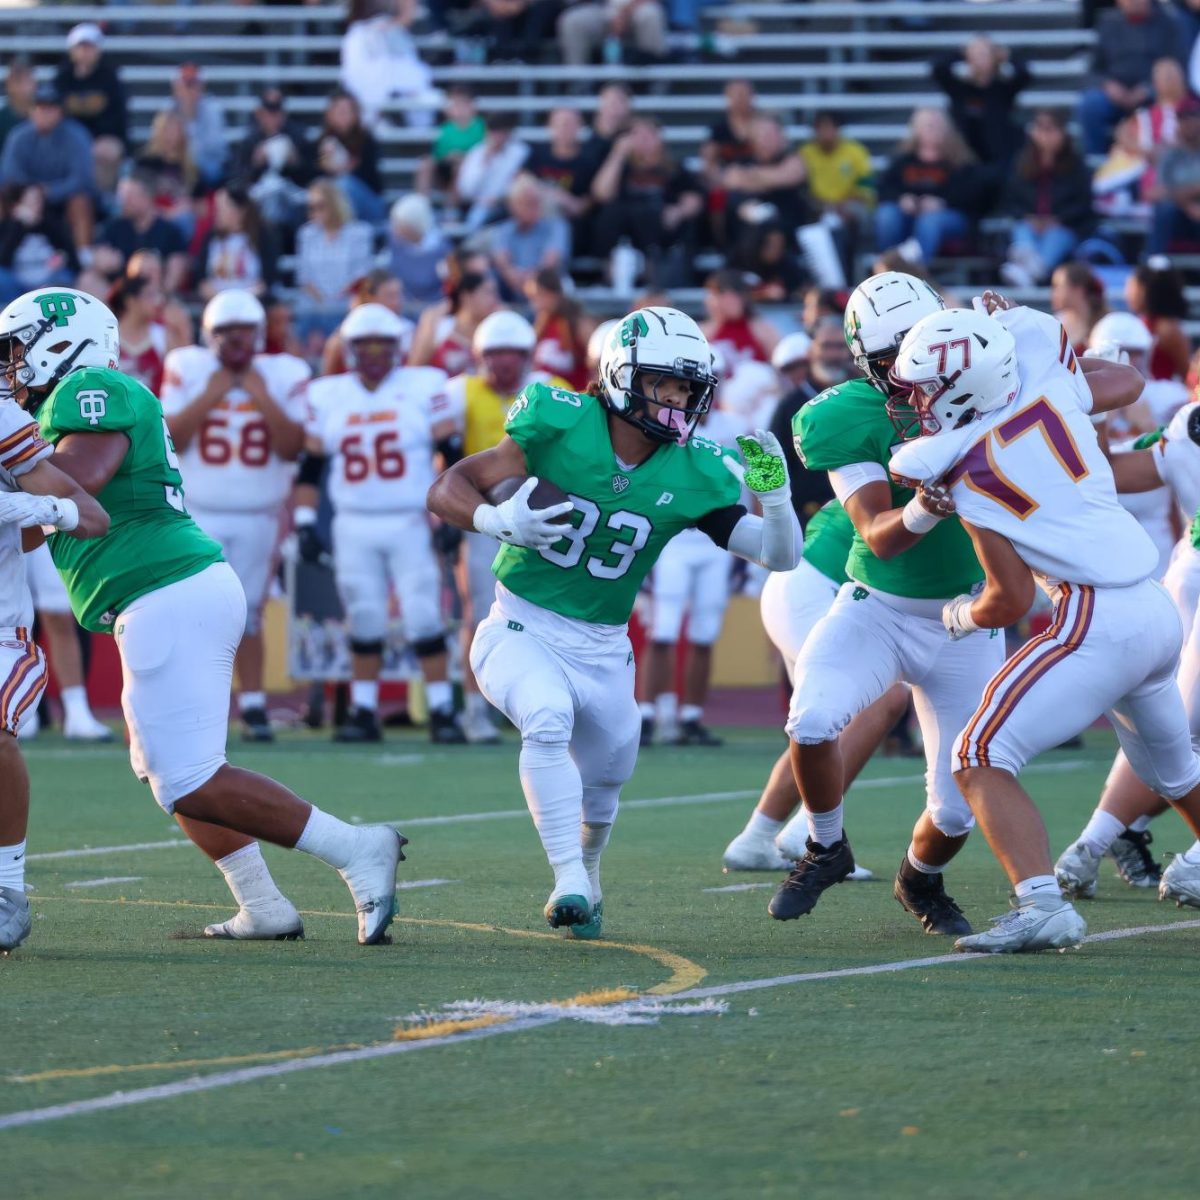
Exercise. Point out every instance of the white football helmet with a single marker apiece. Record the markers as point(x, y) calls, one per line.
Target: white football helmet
point(234, 307)
point(372, 323)
point(657, 341)
point(881, 310)
point(48, 333)
point(1121, 329)
point(503, 330)
point(791, 350)
point(952, 367)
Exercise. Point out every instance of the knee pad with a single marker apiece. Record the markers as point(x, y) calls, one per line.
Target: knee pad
point(428, 646)
point(366, 622)
point(953, 818)
point(538, 752)
point(1176, 789)
point(810, 726)
point(366, 645)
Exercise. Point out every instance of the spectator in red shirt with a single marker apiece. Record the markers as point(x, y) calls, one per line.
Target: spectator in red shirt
point(562, 329)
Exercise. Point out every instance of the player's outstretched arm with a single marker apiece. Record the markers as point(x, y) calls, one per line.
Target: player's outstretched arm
point(890, 531)
point(774, 540)
point(1008, 588)
point(53, 498)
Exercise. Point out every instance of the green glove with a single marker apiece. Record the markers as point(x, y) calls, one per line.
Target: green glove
point(765, 469)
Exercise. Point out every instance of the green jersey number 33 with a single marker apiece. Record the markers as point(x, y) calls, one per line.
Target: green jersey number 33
point(623, 548)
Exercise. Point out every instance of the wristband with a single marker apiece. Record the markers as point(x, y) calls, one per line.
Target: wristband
point(68, 515)
point(916, 518)
point(304, 515)
point(484, 519)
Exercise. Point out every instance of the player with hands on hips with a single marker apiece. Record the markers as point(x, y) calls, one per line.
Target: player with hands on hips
point(554, 654)
point(378, 426)
point(236, 417)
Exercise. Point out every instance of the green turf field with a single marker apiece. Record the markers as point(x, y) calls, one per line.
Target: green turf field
point(1068, 1074)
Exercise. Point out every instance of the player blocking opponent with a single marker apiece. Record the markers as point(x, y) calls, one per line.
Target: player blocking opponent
point(554, 654)
point(177, 612)
point(236, 420)
point(1004, 409)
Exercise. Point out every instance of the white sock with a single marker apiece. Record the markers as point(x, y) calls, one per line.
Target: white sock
point(917, 865)
point(440, 695)
point(252, 700)
point(554, 794)
point(691, 712)
point(1101, 831)
point(825, 828)
point(364, 693)
point(593, 840)
point(762, 826)
point(75, 704)
point(666, 708)
point(477, 705)
point(327, 838)
point(1141, 824)
point(647, 710)
point(249, 879)
point(1037, 886)
point(1190, 855)
point(12, 866)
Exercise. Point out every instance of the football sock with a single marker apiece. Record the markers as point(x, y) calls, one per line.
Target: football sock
point(12, 866)
point(554, 793)
point(666, 709)
point(762, 826)
point(647, 710)
point(1101, 831)
point(364, 693)
point(327, 838)
point(917, 865)
point(252, 700)
point(249, 879)
point(440, 695)
point(75, 704)
point(1038, 886)
point(476, 704)
point(1141, 824)
point(825, 828)
point(691, 712)
point(593, 839)
point(1190, 855)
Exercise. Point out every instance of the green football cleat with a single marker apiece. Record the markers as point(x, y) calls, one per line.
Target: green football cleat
point(592, 929)
point(568, 911)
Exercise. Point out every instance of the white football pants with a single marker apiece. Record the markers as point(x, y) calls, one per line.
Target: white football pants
point(248, 541)
point(791, 604)
point(692, 577)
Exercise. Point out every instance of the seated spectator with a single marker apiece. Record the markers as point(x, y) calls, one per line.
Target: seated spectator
point(563, 164)
point(166, 164)
point(773, 179)
point(204, 120)
point(56, 152)
point(1121, 185)
point(534, 238)
point(139, 227)
point(982, 85)
point(458, 265)
point(280, 337)
point(461, 129)
point(1049, 194)
point(348, 153)
point(628, 30)
point(1077, 300)
point(648, 200)
point(562, 329)
point(928, 189)
point(35, 247)
point(375, 287)
point(614, 114)
point(274, 161)
point(488, 170)
point(1177, 211)
point(841, 184)
point(472, 298)
point(136, 302)
point(380, 63)
point(734, 329)
point(729, 140)
point(20, 83)
point(333, 250)
point(172, 312)
point(1157, 123)
point(239, 250)
point(1154, 293)
point(93, 95)
point(1128, 43)
point(766, 253)
point(517, 30)
point(418, 248)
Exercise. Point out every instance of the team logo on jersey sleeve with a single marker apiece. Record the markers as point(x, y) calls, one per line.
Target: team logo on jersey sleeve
point(93, 405)
point(620, 483)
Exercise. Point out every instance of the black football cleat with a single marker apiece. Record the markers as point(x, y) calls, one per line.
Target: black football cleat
point(692, 733)
point(647, 738)
point(256, 726)
point(925, 897)
point(820, 868)
point(361, 725)
point(444, 729)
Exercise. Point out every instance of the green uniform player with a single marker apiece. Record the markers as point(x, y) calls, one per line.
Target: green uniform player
point(554, 655)
point(908, 557)
point(177, 612)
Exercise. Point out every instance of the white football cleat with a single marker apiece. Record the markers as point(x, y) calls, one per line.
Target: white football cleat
point(480, 729)
point(1042, 923)
point(1077, 870)
point(1181, 882)
point(278, 923)
point(371, 877)
point(754, 852)
point(792, 843)
point(86, 729)
point(15, 918)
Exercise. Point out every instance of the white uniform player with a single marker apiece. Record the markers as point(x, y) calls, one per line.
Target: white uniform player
point(237, 419)
point(1009, 405)
point(378, 425)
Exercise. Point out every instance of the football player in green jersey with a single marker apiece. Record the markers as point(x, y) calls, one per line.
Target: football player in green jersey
point(177, 611)
point(908, 557)
point(554, 655)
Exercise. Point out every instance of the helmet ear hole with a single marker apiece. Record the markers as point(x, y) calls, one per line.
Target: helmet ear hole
point(59, 347)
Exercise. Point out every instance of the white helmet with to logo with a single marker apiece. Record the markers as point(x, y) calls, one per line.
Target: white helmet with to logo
point(48, 333)
point(881, 310)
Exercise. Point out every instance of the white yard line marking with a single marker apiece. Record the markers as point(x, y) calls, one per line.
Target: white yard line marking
point(508, 814)
point(743, 887)
point(207, 1083)
point(90, 883)
point(422, 883)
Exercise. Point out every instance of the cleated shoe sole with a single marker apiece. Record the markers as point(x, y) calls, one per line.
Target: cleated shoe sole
point(568, 911)
point(591, 929)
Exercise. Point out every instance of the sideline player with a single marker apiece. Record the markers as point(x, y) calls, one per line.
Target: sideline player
point(377, 425)
point(1004, 407)
point(177, 612)
point(909, 556)
point(236, 419)
point(554, 655)
point(32, 492)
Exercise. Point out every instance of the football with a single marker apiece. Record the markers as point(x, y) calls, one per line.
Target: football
point(544, 495)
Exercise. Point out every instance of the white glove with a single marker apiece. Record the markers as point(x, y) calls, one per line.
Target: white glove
point(517, 524)
point(956, 617)
point(765, 469)
point(1109, 351)
point(20, 508)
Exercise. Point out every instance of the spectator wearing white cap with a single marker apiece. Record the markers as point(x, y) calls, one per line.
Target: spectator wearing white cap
point(93, 94)
point(417, 247)
point(205, 122)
